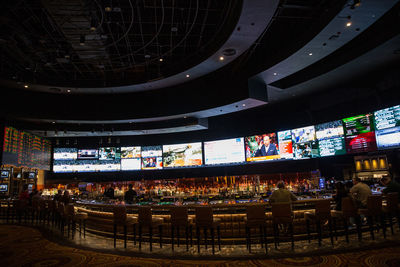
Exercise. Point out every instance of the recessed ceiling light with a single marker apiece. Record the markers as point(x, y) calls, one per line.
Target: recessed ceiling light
point(161, 60)
point(310, 54)
point(275, 73)
point(108, 9)
point(244, 105)
point(221, 58)
point(348, 24)
point(187, 75)
point(184, 117)
point(53, 122)
point(69, 91)
point(26, 86)
point(174, 29)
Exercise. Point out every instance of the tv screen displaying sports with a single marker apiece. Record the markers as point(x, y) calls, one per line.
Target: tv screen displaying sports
point(329, 130)
point(65, 153)
point(305, 134)
point(130, 152)
point(65, 166)
point(332, 147)
point(109, 165)
point(358, 124)
point(32, 175)
point(3, 187)
point(285, 144)
point(224, 151)
point(152, 157)
point(387, 118)
point(88, 154)
point(182, 155)
point(306, 150)
point(130, 164)
point(109, 153)
point(388, 138)
point(5, 174)
point(87, 166)
point(363, 142)
point(262, 147)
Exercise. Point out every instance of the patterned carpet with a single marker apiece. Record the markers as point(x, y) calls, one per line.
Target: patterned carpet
point(24, 246)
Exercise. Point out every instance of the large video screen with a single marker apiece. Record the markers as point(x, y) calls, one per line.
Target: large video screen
point(182, 155)
point(304, 143)
point(387, 118)
point(285, 144)
point(358, 124)
point(329, 130)
point(388, 138)
point(23, 149)
point(262, 147)
point(88, 154)
point(332, 146)
point(152, 157)
point(109, 153)
point(130, 158)
point(224, 151)
point(64, 166)
point(65, 153)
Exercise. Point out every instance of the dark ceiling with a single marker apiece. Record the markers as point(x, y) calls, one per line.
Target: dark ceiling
point(305, 47)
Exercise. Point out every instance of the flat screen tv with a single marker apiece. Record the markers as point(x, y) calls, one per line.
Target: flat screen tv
point(109, 153)
point(65, 153)
point(305, 134)
point(151, 157)
point(5, 174)
point(329, 130)
point(387, 118)
point(363, 142)
point(358, 124)
point(224, 151)
point(3, 187)
point(182, 155)
point(31, 175)
point(388, 138)
point(88, 154)
point(130, 152)
point(262, 147)
point(285, 144)
point(332, 147)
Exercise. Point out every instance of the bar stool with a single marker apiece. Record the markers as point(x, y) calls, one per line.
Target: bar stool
point(120, 218)
point(372, 212)
point(21, 208)
point(322, 213)
point(61, 216)
point(348, 211)
point(50, 211)
point(282, 215)
point(180, 218)
point(256, 218)
point(146, 219)
point(391, 210)
point(205, 219)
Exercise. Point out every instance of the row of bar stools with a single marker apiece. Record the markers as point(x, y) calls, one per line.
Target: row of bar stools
point(374, 214)
point(205, 220)
point(256, 218)
point(282, 215)
point(391, 210)
point(180, 219)
point(348, 211)
point(321, 214)
point(72, 217)
point(120, 218)
point(147, 220)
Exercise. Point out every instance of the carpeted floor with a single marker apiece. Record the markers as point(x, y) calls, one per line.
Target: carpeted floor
point(24, 246)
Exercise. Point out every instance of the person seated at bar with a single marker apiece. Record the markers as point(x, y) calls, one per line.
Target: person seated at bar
point(360, 192)
point(130, 195)
point(339, 194)
point(390, 186)
point(281, 194)
point(58, 196)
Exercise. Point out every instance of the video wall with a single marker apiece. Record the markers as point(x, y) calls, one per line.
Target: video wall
point(363, 133)
point(23, 149)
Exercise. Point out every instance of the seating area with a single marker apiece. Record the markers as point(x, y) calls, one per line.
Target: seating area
point(205, 227)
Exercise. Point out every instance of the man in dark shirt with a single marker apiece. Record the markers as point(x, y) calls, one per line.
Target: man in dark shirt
point(109, 192)
point(391, 186)
point(130, 195)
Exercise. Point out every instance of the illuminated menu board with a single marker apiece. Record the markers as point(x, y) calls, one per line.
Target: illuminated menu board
point(387, 118)
point(23, 149)
point(359, 134)
point(332, 147)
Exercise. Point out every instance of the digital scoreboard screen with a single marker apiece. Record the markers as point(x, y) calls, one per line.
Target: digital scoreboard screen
point(387, 118)
point(23, 149)
point(359, 134)
point(224, 151)
point(332, 147)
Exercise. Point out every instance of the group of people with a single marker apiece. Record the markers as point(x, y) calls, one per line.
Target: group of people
point(36, 195)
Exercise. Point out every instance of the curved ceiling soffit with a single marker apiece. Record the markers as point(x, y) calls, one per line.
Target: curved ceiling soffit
point(254, 18)
point(335, 35)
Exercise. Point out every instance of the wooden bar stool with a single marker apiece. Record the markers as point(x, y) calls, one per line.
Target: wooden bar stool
point(72, 217)
point(180, 219)
point(321, 214)
point(147, 220)
point(348, 211)
point(61, 216)
point(374, 212)
point(282, 215)
point(391, 210)
point(256, 218)
point(205, 219)
point(120, 218)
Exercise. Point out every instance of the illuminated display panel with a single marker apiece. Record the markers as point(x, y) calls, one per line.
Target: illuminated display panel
point(109, 153)
point(304, 143)
point(182, 155)
point(329, 129)
point(23, 149)
point(285, 144)
point(130, 158)
point(88, 154)
point(387, 125)
point(262, 147)
point(224, 151)
point(332, 147)
point(65, 153)
point(359, 134)
point(152, 157)
point(388, 138)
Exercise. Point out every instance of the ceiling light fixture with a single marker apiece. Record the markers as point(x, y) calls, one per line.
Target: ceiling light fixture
point(82, 40)
point(26, 86)
point(244, 105)
point(69, 91)
point(187, 75)
point(348, 24)
point(161, 60)
point(275, 73)
point(221, 58)
point(310, 54)
point(356, 3)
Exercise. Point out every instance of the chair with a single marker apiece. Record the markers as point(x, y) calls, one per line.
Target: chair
point(391, 209)
point(321, 214)
point(256, 218)
point(120, 218)
point(206, 220)
point(373, 212)
point(282, 215)
point(348, 211)
point(179, 218)
point(146, 219)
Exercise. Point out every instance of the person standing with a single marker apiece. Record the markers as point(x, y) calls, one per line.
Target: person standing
point(130, 195)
